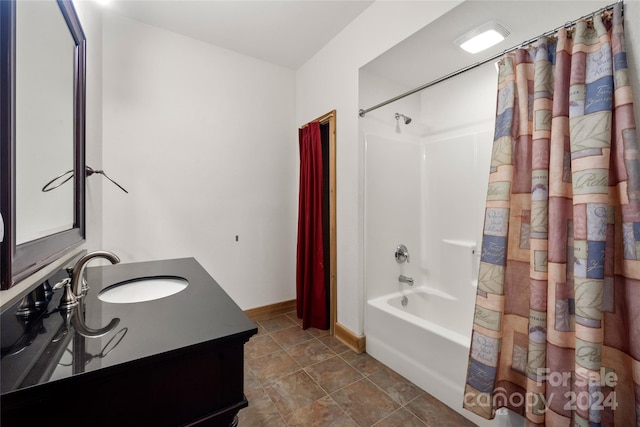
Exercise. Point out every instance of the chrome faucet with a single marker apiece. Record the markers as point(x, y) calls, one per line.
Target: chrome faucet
point(404, 279)
point(402, 254)
point(74, 288)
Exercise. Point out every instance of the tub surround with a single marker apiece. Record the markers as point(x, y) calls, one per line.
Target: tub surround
point(169, 361)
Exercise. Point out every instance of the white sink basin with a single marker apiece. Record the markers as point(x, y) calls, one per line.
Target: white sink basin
point(143, 289)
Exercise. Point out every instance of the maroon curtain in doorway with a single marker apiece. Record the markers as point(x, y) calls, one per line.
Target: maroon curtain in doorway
point(311, 294)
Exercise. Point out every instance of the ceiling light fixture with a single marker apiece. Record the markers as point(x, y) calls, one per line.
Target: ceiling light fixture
point(483, 37)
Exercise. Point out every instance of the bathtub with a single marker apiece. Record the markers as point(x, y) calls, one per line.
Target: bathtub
point(414, 341)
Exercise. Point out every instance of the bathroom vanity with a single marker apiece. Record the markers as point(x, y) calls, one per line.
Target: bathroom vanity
point(172, 361)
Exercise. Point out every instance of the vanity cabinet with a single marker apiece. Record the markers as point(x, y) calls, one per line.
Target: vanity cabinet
point(174, 361)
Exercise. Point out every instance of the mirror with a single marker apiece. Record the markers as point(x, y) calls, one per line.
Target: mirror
point(42, 44)
point(42, 110)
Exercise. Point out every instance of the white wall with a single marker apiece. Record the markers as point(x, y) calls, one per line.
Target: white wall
point(371, 90)
point(329, 81)
point(204, 140)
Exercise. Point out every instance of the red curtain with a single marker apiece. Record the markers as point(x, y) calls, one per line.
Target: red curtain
point(311, 294)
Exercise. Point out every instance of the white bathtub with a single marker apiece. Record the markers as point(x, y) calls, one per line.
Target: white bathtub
point(429, 308)
point(417, 342)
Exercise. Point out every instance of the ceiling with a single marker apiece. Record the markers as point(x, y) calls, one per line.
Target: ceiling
point(286, 33)
point(290, 32)
point(430, 53)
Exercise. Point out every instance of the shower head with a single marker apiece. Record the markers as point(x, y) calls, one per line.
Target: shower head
point(406, 119)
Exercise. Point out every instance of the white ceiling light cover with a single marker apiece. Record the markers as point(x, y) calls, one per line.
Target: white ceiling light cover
point(483, 37)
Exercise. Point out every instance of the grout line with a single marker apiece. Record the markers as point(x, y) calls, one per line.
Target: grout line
point(343, 410)
point(358, 356)
point(284, 419)
point(391, 413)
point(402, 405)
point(345, 386)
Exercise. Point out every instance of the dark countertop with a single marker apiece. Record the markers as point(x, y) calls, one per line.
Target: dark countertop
point(201, 313)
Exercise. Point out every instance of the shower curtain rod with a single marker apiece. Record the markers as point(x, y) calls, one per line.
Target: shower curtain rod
point(362, 112)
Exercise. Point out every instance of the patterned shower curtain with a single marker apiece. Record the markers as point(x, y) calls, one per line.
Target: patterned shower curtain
point(556, 334)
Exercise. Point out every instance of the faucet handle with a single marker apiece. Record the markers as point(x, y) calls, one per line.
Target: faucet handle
point(68, 299)
point(402, 254)
point(61, 284)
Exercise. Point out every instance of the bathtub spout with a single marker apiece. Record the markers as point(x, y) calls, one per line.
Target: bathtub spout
point(405, 279)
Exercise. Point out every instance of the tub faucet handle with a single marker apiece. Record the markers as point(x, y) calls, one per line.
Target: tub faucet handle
point(402, 254)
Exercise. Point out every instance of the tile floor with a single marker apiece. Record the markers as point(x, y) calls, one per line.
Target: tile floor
point(307, 378)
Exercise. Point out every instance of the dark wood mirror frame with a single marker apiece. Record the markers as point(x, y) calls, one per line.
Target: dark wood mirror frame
point(19, 261)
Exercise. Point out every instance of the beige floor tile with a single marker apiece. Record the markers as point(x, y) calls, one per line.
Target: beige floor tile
point(310, 352)
point(291, 336)
point(260, 345)
point(395, 385)
point(261, 329)
point(333, 374)
point(276, 323)
point(364, 402)
point(293, 392)
point(294, 318)
point(296, 377)
point(401, 418)
point(260, 413)
point(273, 366)
point(435, 413)
point(318, 332)
point(324, 412)
point(334, 344)
point(364, 363)
point(252, 387)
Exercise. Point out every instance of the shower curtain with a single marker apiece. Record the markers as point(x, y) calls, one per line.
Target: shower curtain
point(556, 334)
point(311, 294)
